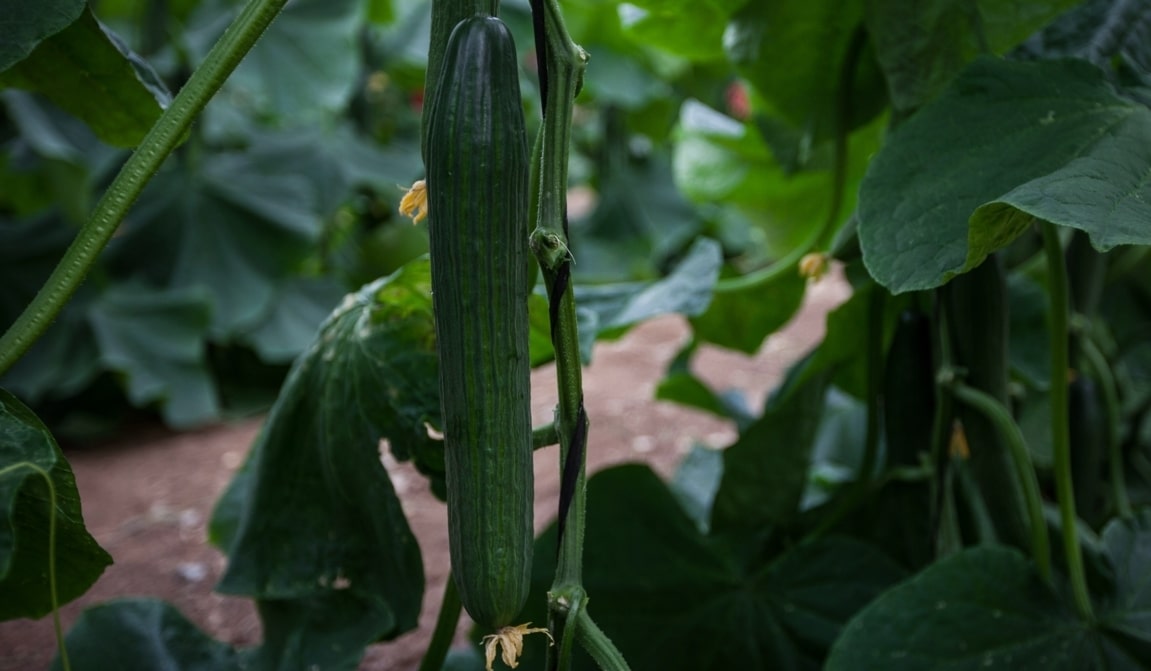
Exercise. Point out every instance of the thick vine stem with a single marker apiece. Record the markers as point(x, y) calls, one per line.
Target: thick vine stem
point(1057, 288)
point(597, 644)
point(998, 415)
point(160, 141)
point(446, 622)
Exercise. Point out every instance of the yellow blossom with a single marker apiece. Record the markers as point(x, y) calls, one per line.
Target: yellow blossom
point(414, 204)
point(813, 266)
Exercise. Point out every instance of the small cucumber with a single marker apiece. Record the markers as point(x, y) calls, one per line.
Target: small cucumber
point(477, 184)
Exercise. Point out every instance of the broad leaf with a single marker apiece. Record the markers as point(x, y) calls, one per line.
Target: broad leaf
point(922, 47)
point(288, 328)
point(609, 309)
point(692, 30)
point(156, 339)
point(143, 635)
point(88, 71)
point(312, 525)
point(765, 471)
point(237, 221)
point(1006, 143)
point(984, 607)
point(26, 24)
point(673, 599)
point(1128, 612)
point(813, 38)
point(26, 508)
point(1098, 31)
point(303, 70)
point(741, 316)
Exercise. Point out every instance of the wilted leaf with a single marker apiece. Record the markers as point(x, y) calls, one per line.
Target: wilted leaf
point(312, 525)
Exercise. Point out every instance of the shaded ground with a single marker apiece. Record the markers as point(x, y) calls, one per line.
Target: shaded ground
point(147, 499)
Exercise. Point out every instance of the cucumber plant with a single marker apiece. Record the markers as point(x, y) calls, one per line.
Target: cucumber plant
point(957, 475)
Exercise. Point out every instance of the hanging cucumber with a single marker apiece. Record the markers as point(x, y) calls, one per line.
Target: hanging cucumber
point(909, 391)
point(477, 166)
point(977, 308)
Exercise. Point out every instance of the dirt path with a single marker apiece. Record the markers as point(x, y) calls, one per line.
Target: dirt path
point(147, 499)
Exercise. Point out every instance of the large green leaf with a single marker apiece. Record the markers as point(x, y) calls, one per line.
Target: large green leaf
point(303, 70)
point(25, 512)
point(312, 525)
point(156, 340)
point(234, 224)
point(26, 24)
point(922, 47)
point(765, 471)
point(673, 599)
point(609, 309)
point(1008, 141)
point(143, 635)
point(88, 71)
point(813, 38)
point(692, 30)
point(984, 607)
point(1128, 611)
point(1098, 31)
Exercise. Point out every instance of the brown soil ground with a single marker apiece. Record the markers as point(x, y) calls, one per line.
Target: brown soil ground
point(147, 498)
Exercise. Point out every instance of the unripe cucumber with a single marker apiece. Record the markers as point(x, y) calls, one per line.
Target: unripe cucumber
point(477, 175)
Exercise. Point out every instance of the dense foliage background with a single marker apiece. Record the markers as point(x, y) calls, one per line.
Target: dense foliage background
point(718, 144)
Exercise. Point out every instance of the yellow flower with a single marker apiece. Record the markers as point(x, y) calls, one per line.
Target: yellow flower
point(813, 266)
point(511, 641)
point(414, 204)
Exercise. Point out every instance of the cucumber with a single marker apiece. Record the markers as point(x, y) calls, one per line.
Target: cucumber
point(977, 310)
point(446, 15)
point(477, 184)
point(909, 391)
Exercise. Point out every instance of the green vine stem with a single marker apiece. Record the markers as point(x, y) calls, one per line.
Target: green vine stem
point(1102, 371)
point(1060, 423)
point(998, 415)
point(160, 141)
point(446, 623)
point(561, 74)
point(598, 645)
point(53, 590)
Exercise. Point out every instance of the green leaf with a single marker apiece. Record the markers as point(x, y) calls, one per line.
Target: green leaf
point(691, 30)
point(143, 635)
point(671, 598)
point(1008, 141)
point(25, 509)
point(312, 525)
point(813, 38)
point(695, 482)
point(303, 70)
point(235, 224)
point(1030, 346)
point(741, 317)
point(88, 72)
point(26, 24)
point(301, 305)
point(985, 607)
point(922, 47)
point(1128, 611)
point(1098, 31)
point(765, 471)
point(680, 385)
point(155, 338)
point(686, 290)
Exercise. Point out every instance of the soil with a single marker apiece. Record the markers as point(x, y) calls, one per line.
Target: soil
point(147, 497)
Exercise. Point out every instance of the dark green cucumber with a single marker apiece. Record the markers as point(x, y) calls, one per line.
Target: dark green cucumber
point(446, 15)
point(909, 391)
point(977, 310)
point(478, 224)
